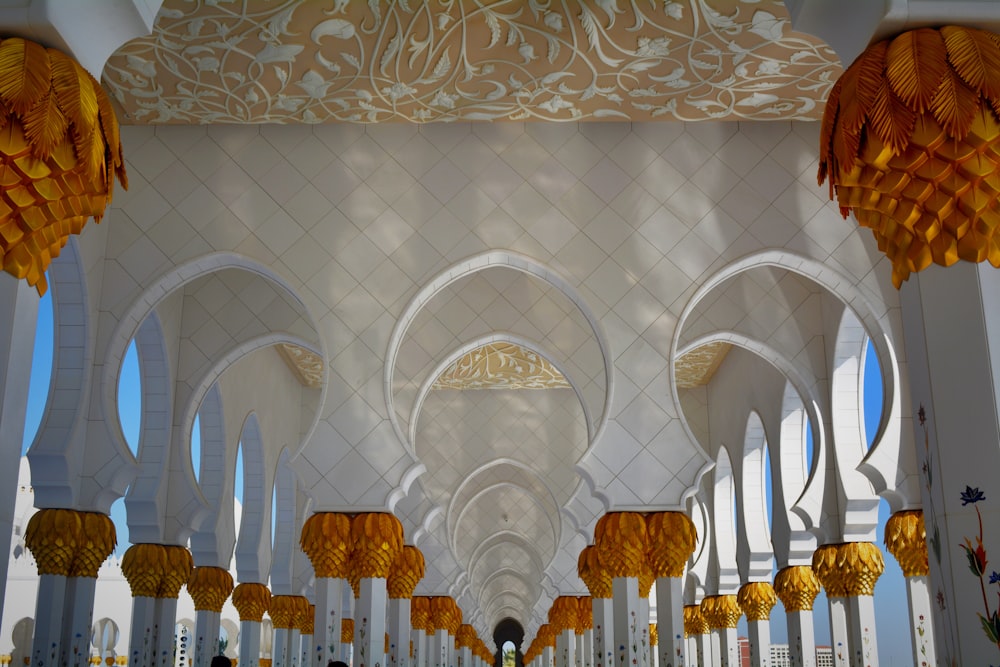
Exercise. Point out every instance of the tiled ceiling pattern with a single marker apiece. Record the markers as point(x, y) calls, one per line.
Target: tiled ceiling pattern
point(500, 300)
point(293, 61)
point(357, 220)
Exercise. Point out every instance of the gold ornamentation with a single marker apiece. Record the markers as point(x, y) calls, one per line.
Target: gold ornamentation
point(848, 569)
point(562, 614)
point(694, 622)
point(911, 143)
point(492, 60)
point(97, 540)
point(282, 611)
point(466, 635)
point(59, 155)
point(264, 662)
point(377, 538)
point(442, 614)
point(251, 601)
point(672, 538)
point(906, 540)
point(143, 566)
point(53, 535)
point(584, 614)
point(620, 538)
point(501, 366)
point(646, 580)
point(697, 367)
point(420, 614)
point(177, 571)
point(546, 635)
point(209, 587)
point(593, 573)
point(654, 634)
point(797, 587)
point(347, 630)
point(307, 620)
point(326, 540)
point(756, 599)
point(386, 643)
point(721, 611)
point(407, 571)
point(306, 365)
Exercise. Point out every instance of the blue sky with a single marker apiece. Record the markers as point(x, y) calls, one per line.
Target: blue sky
point(890, 591)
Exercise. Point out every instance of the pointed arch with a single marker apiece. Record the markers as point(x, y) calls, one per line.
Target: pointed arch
point(253, 546)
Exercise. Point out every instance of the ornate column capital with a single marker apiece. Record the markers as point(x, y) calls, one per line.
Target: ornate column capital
point(756, 599)
point(546, 635)
point(282, 610)
point(53, 537)
point(143, 566)
point(377, 539)
point(466, 636)
point(721, 611)
point(97, 540)
point(307, 619)
point(797, 587)
point(849, 568)
point(177, 571)
point(251, 601)
point(562, 615)
point(646, 580)
point(906, 540)
point(694, 621)
point(593, 573)
point(209, 587)
point(326, 540)
point(672, 538)
point(654, 634)
point(621, 542)
point(909, 140)
point(407, 571)
point(420, 613)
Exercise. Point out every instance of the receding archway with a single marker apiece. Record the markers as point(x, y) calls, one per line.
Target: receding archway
point(508, 630)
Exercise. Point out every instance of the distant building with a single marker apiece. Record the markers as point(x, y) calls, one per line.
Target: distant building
point(824, 656)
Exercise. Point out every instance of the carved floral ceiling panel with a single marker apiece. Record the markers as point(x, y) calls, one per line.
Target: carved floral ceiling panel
point(697, 367)
point(250, 61)
point(501, 366)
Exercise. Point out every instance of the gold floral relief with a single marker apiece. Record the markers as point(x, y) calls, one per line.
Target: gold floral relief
point(218, 61)
point(306, 365)
point(697, 367)
point(501, 366)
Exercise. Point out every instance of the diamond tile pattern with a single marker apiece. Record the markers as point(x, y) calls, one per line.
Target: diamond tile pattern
point(634, 218)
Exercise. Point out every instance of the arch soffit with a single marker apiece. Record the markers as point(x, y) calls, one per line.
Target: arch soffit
point(256, 509)
point(755, 524)
point(496, 337)
point(166, 285)
point(553, 523)
point(837, 284)
point(808, 504)
point(470, 266)
point(507, 572)
point(502, 540)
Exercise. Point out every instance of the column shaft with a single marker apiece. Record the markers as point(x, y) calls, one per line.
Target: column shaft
point(166, 619)
point(281, 648)
point(705, 653)
point(442, 648)
point(19, 318)
point(249, 644)
point(760, 643)
point(142, 639)
point(604, 639)
point(587, 652)
point(802, 638)
point(294, 639)
point(729, 648)
point(399, 632)
point(80, 615)
point(369, 623)
point(326, 623)
point(206, 637)
point(921, 633)
point(670, 621)
point(631, 629)
point(839, 633)
point(420, 648)
point(46, 648)
point(566, 648)
point(305, 648)
point(864, 647)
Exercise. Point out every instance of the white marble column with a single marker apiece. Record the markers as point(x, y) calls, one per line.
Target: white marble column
point(441, 648)
point(142, 637)
point(756, 599)
point(369, 622)
point(670, 622)
point(46, 647)
point(206, 636)
point(166, 619)
point(399, 632)
point(864, 645)
point(631, 628)
point(566, 648)
point(604, 623)
point(705, 647)
point(797, 587)
point(80, 605)
point(420, 647)
point(281, 648)
point(329, 593)
point(951, 325)
point(249, 655)
point(802, 638)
